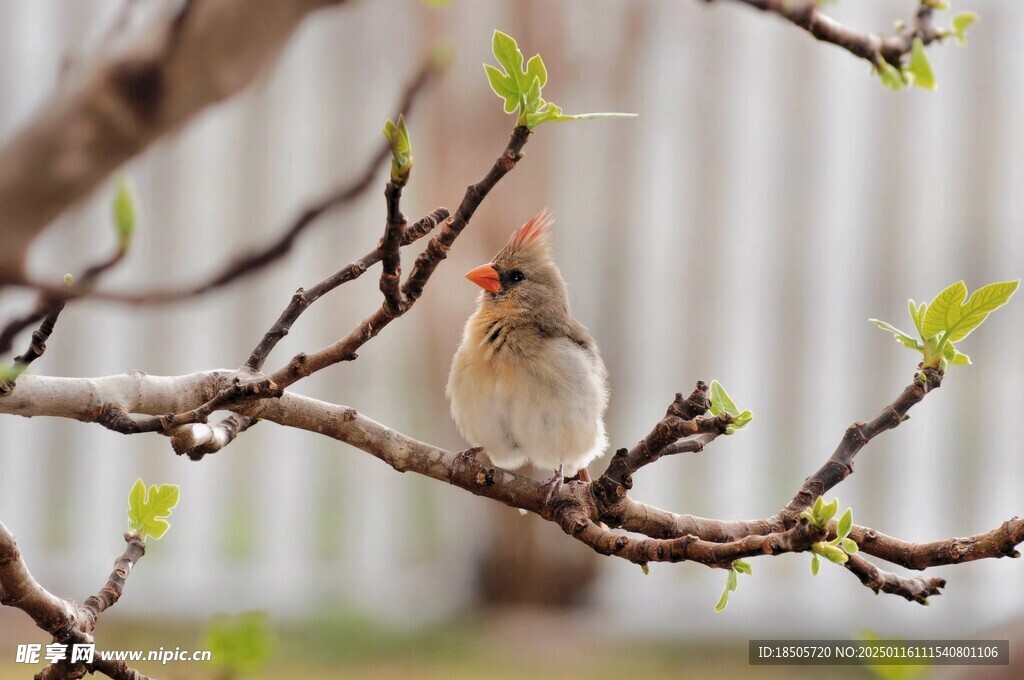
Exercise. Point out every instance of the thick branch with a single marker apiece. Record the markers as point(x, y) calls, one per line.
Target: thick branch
point(111, 110)
point(251, 262)
point(19, 589)
point(671, 537)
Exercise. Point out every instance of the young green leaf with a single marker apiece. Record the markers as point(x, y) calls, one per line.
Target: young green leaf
point(944, 311)
point(904, 338)
point(731, 581)
point(850, 546)
point(815, 564)
point(835, 554)
point(721, 402)
point(828, 511)
point(147, 512)
point(919, 68)
point(845, 524)
point(535, 69)
point(507, 52)
point(521, 88)
point(69, 280)
point(983, 302)
point(961, 22)
point(723, 601)
point(504, 86)
point(401, 149)
point(123, 209)
point(891, 76)
point(240, 645)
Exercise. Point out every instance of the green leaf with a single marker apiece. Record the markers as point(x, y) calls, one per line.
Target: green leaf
point(819, 503)
point(850, 546)
point(815, 564)
point(401, 149)
point(559, 117)
point(828, 511)
point(891, 76)
point(69, 280)
point(506, 51)
point(721, 402)
point(919, 317)
point(241, 645)
point(919, 67)
point(731, 580)
point(834, 554)
point(533, 100)
point(961, 22)
point(904, 338)
point(504, 86)
point(944, 311)
point(959, 359)
point(742, 567)
point(845, 524)
point(983, 302)
point(147, 512)
point(123, 209)
point(723, 601)
point(521, 88)
point(535, 69)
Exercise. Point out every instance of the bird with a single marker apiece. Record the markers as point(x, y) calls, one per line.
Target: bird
point(527, 383)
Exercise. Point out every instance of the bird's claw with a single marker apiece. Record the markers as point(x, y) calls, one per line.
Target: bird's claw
point(462, 458)
point(554, 485)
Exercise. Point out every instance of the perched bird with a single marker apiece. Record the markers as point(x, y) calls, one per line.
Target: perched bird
point(527, 383)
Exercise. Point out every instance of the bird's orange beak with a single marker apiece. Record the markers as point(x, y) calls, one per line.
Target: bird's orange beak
point(485, 276)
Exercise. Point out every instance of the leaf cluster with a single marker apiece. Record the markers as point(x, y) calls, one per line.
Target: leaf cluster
point(520, 85)
point(918, 71)
point(838, 549)
point(949, 318)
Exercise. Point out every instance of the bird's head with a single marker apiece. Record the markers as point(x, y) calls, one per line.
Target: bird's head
point(522, 277)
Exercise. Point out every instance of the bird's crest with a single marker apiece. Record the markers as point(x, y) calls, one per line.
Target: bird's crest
point(535, 231)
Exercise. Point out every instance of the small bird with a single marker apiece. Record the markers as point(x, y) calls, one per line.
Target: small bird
point(527, 383)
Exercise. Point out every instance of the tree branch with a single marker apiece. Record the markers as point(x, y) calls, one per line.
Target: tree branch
point(66, 622)
point(304, 298)
point(116, 107)
point(840, 465)
point(303, 365)
point(869, 46)
point(579, 508)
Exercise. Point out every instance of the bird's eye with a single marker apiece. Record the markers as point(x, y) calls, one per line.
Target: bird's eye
point(515, 276)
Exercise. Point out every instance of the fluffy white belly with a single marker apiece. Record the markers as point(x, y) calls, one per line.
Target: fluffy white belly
point(546, 412)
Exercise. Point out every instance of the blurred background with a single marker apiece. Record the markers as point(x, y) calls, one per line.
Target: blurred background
point(769, 199)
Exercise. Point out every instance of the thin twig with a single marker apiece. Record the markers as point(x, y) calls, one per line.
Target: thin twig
point(303, 365)
point(840, 465)
point(110, 593)
point(390, 244)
